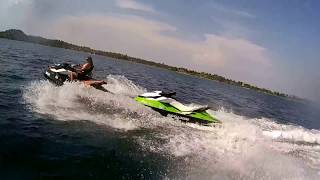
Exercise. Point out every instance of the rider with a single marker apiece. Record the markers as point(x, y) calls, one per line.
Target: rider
point(84, 70)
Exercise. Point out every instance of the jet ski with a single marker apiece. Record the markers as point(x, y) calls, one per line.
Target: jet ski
point(166, 105)
point(59, 73)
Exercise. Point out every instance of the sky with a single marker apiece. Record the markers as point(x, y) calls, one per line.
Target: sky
point(269, 43)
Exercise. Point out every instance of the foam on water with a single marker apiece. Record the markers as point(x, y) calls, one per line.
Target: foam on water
point(241, 148)
point(74, 101)
point(123, 86)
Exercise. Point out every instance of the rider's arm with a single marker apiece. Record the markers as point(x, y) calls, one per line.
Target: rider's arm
point(82, 67)
point(85, 67)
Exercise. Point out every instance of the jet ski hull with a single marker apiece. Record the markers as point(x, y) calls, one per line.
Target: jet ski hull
point(59, 73)
point(55, 78)
point(166, 109)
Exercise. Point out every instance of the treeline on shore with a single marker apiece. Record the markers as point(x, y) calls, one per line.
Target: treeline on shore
point(15, 34)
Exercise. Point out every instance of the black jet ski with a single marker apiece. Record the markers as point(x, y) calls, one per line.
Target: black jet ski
point(58, 74)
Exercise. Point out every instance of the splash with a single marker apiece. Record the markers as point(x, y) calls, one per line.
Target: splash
point(241, 148)
point(121, 85)
point(74, 101)
point(290, 133)
point(238, 149)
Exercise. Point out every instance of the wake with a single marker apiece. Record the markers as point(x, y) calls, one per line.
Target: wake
point(241, 148)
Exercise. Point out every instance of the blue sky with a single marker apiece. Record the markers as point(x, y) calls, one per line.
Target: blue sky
point(272, 44)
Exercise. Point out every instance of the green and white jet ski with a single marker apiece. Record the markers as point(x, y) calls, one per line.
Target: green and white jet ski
point(166, 105)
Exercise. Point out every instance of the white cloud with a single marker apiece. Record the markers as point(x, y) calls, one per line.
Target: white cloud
point(9, 3)
point(235, 58)
point(13, 13)
point(134, 5)
point(233, 12)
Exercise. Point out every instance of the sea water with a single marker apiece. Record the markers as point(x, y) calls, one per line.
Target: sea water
point(77, 132)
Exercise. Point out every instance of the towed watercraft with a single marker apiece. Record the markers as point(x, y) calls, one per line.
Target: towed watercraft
point(58, 74)
point(166, 105)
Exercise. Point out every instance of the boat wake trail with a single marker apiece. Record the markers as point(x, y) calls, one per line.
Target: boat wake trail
point(241, 148)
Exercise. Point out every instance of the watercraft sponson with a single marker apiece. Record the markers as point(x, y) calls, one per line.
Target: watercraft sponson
point(166, 105)
point(59, 73)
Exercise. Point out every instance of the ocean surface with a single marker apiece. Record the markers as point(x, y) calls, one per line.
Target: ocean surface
point(74, 132)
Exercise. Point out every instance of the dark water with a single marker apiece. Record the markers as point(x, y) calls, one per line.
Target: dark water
point(78, 132)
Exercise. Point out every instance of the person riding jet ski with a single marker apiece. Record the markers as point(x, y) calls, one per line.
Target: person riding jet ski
point(83, 72)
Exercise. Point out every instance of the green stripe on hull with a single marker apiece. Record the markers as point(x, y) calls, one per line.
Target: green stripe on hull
point(203, 116)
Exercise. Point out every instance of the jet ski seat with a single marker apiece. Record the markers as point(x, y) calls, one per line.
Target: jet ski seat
point(167, 98)
point(181, 107)
point(157, 94)
point(185, 108)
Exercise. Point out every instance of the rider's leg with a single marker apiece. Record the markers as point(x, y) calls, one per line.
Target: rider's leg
point(73, 76)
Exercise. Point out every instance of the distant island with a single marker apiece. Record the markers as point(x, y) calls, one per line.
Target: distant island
point(15, 34)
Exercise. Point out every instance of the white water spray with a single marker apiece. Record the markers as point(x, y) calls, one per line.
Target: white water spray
point(241, 148)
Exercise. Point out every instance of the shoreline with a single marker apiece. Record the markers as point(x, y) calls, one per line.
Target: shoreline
point(15, 34)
